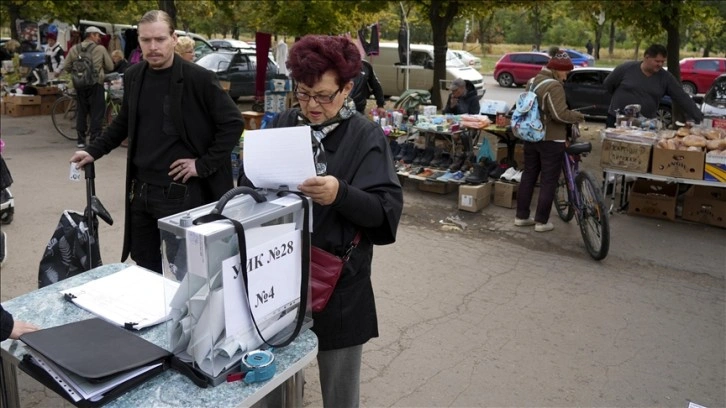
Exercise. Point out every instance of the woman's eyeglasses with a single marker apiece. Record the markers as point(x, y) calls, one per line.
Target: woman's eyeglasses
point(321, 99)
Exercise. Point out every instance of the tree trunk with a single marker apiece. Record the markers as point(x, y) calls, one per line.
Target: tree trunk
point(671, 23)
point(439, 26)
point(170, 8)
point(14, 15)
point(611, 45)
point(598, 39)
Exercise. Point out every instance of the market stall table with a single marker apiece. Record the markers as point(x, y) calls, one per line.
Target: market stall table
point(46, 308)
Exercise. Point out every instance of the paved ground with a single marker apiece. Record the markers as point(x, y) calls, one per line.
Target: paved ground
point(493, 315)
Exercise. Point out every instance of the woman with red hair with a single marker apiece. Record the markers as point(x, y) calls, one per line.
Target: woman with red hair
point(356, 191)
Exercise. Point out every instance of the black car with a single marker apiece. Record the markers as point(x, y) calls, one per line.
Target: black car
point(584, 88)
point(239, 67)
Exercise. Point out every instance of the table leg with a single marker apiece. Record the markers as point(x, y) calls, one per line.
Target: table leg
point(9, 385)
point(293, 390)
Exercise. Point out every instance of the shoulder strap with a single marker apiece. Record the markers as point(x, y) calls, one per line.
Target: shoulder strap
point(541, 83)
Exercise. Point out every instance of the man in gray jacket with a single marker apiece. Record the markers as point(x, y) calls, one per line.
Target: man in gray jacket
point(90, 100)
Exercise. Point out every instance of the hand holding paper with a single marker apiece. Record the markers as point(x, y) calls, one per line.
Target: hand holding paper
point(281, 156)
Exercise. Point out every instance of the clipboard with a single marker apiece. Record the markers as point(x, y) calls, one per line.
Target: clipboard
point(95, 350)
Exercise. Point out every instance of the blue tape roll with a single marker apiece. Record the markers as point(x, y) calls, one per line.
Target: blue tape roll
point(259, 365)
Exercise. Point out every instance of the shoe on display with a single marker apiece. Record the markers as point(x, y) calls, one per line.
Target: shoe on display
point(507, 175)
point(458, 162)
point(517, 177)
point(427, 156)
point(523, 223)
point(436, 175)
point(403, 151)
point(438, 156)
point(458, 177)
point(410, 154)
point(419, 156)
point(446, 177)
point(497, 172)
point(478, 175)
point(446, 160)
point(539, 227)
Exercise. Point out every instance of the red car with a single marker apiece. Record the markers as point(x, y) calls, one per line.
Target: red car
point(698, 74)
point(516, 68)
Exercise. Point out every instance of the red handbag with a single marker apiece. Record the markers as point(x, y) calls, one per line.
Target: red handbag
point(325, 269)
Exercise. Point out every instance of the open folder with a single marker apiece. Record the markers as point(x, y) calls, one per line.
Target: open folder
point(91, 362)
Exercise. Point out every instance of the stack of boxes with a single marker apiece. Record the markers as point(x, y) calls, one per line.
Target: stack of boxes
point(18, 105)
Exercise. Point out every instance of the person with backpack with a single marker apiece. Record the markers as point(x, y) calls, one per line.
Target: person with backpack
point(55, 56)
point(543, 159)
point(87, 62)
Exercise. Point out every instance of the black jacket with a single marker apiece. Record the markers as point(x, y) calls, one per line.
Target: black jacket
point(469, 103)
point(363, 85)
point(208, 121)
point(370, 200)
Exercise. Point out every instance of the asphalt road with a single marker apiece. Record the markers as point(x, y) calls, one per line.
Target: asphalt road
point(489, 315)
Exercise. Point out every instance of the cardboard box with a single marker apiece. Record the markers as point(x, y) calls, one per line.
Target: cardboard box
point(438, 187)
point(678, 163)
point(17, 99)
point(715, 168)
point(3, 107)
point(474, 198)
point(719, 123)
point(22, 110)
point(625, 155)
point(48, 90)
point(706, 205)
point(651, 198)
point(505, 194)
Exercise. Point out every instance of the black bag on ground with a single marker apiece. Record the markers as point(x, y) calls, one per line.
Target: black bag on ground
point(67, 253)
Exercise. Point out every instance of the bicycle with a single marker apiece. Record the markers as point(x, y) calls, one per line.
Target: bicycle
point(578, 194)
point(63, 112)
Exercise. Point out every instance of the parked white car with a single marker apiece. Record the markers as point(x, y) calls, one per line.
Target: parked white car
point(468, 58)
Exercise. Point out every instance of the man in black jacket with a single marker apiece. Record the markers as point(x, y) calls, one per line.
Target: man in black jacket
point(363, 85)
point(181, 128)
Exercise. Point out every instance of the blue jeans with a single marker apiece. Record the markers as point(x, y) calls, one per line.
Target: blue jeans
point(149, 203)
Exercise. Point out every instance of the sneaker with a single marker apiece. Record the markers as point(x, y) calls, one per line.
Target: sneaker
point(80, 145)
point(508, 174)
point(478, 175)
point(523, 223)
point(518, 176)
point(458, 177)
point(539, 227)
point(446, 177)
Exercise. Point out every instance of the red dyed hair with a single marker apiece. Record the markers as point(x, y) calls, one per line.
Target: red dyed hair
point(315, 55)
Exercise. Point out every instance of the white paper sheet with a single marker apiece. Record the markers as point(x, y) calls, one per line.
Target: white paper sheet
point(132, 295)
point(280, 156)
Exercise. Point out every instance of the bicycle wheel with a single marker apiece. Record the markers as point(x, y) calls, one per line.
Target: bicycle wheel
point(593, 218)
point(563, 205)
point(63, 114)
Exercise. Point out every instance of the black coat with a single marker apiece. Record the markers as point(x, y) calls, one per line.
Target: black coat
point(363, 85)
point(370, 200)
point(208, 121)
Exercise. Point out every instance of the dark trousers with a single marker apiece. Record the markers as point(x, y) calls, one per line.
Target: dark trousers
point(543, 159)
point(91, 101)
point(149, 203)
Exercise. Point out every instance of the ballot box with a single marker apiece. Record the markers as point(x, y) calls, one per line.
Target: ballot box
point(218, 315)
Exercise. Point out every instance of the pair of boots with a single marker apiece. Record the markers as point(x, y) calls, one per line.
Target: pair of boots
point(480, 171)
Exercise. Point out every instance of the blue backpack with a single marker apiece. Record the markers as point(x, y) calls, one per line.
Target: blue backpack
point(526, 118)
